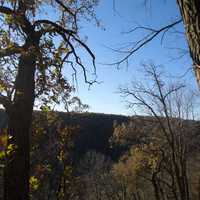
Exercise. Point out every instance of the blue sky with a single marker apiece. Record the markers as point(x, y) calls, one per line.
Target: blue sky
point(103, 97)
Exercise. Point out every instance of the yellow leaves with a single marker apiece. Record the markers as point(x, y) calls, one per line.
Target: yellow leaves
point(45, 108)
point(3, 145)
point(146, 157)
point(10, 149)
point(34, 183)
point(5, 148)
point(9, 19)
point(3, 86)
point(2, 155)
point(68, 171)
point(140, 159)
point(50, 116)
point(39, 131)
point(5, 40)
point(153, 162)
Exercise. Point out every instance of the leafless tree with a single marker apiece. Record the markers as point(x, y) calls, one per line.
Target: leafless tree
point(170, 106)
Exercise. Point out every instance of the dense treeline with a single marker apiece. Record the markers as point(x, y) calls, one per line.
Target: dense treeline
point(123, 171)
point(102, 157)
point(93, 129)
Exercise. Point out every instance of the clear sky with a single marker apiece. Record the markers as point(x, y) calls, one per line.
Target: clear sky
point(103, 97)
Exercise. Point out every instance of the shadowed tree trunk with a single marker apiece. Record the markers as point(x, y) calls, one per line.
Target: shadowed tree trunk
point(190, 11)
point(21, 28)
point(20, 117)
point(156, 187)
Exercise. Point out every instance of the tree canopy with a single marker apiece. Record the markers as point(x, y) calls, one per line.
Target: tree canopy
point(24, 22)
point(37, 40)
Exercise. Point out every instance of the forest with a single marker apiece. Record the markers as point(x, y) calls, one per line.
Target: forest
point(105, 157)
point(59, 141)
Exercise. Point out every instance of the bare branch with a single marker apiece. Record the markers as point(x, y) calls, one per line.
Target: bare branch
point(65, 8)
point(66, 34)
point(6, 10)
point(54, 27)
point(172, 90)
point(88, 50)
point(78, 61)
point(144, 103)
point(146, 39)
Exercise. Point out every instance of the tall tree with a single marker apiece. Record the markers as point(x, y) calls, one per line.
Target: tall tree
point(37, 39)
point(170, 106)
point(190, 11)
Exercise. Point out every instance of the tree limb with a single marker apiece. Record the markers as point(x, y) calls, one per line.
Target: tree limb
point(65, 8)
point(6, 10)
point(145, 40)
point(66, 34)
point(10, 51)
point(78, 61)
point(54, 27)
point(20, 18)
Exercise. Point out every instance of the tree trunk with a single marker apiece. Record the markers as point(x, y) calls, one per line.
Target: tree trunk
point(190, 11)
point(16, 185)
point(156, 187)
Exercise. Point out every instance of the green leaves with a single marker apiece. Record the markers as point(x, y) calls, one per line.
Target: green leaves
point(45, 108)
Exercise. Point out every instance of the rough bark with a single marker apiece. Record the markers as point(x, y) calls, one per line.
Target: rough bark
point(190, 11)
point(156, 187)
point(16, 185)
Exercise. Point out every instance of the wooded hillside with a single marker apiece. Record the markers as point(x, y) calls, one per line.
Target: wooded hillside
point(78, 147)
